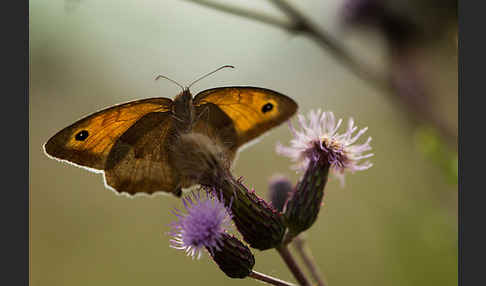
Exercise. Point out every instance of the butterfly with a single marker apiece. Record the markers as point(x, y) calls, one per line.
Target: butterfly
point(130, 143)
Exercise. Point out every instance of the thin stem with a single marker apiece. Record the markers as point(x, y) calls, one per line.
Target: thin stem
point(292, 265)
point(328, 42)
point(246, 13)
point(269, 279)
point(303, 250)
point(300, 23)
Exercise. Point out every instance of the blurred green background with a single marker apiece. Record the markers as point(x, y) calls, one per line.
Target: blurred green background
point(394, 224)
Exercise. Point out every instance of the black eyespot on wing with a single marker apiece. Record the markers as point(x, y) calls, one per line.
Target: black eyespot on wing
point(82, 135)
point(267, 107)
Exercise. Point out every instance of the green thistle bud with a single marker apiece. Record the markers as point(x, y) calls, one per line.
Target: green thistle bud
point(305, 202)
point(280, 189)
point(233, 257)
point(261, 226)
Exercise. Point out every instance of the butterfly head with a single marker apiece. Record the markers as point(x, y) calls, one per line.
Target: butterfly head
point(182, 106)
point(182, 109)
point(182, 102)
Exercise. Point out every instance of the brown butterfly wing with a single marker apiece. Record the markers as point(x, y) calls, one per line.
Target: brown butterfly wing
point(101, 131)
point(218, 126)
point(139, 160)
point(252, 110)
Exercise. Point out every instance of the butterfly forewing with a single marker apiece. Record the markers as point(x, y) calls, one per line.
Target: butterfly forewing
point(88, 141)
point(252, 110)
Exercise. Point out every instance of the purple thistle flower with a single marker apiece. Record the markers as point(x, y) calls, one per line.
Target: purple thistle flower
point(319, 138)
point(202, 226)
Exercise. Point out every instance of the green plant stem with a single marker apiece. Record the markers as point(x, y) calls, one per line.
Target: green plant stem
point(269, 279)
point(292, 265)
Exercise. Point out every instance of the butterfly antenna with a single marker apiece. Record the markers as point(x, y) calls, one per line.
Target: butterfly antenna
point(164, 77)
point(208, 74)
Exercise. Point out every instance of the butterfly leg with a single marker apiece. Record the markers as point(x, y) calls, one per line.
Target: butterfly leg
point(178, 192)
point(177, 118)
point(204, 112)
point(181, 125)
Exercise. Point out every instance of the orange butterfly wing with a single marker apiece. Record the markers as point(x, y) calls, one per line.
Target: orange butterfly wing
point(252, 110)
point(97, 133)
point(139, 160)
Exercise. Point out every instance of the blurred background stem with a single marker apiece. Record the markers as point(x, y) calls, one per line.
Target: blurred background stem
point(292, 265)
point(269, 279)
point(299, 23)
point(300, 245)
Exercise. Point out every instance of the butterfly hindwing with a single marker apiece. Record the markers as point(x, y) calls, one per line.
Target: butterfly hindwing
point(139, 160)
point(215, 124)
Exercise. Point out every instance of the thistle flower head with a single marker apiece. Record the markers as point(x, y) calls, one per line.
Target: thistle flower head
point(279, 190)
point(202, 226)
point(319, 139)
